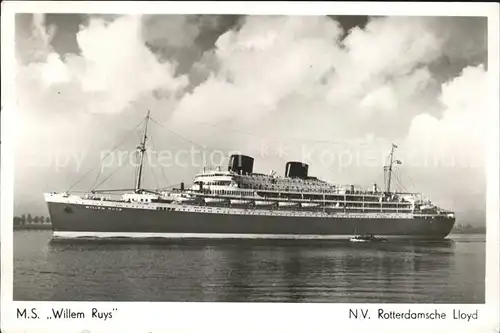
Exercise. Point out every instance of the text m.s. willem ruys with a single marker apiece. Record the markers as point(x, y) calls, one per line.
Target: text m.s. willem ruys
point(65, 313)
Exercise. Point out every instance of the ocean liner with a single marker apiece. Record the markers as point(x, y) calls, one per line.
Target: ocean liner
point(236, 202)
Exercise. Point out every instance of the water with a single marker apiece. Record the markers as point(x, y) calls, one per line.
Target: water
point(450, 271)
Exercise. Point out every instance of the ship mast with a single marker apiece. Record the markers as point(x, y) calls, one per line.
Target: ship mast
point(142, 149)
point(389, 168)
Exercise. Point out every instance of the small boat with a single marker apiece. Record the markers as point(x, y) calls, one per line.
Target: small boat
point(367, 238)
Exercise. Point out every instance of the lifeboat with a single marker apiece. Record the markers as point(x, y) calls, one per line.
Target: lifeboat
point(264, 203)
point(240, 202)
point(214, 201)
point(337, 206)
point(287, 204)
point(309, 204)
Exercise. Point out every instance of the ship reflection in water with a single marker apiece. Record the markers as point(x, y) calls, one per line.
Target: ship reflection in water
point(450, 271)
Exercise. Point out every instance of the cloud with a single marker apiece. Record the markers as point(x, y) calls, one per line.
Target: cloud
point(261, 64)
point(272, 60)
point(456, 143)
point(185, 38)
point(114, 69)
point(117, 62)
point(460, 127)
point(259, 69)
point(33, 44)
point(396, 45)
point(175, 30)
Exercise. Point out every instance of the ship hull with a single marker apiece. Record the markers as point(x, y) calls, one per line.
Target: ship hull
point(74, 220)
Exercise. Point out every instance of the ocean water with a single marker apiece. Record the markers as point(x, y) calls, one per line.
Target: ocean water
point(450, 271)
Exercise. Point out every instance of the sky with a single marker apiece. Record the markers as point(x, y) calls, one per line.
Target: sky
point(332, 91)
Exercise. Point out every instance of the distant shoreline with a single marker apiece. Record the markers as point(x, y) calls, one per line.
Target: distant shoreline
point(34, 226)
point(468, 229)
point(468, 232)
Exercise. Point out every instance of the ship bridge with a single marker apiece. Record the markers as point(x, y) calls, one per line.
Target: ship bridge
point(214, 178)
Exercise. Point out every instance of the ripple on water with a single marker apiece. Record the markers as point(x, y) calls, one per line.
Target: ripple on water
point(406, 272)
